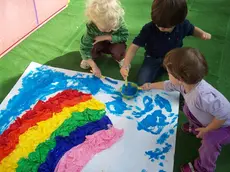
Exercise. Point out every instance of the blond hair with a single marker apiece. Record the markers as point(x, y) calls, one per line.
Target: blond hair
point(107, 13)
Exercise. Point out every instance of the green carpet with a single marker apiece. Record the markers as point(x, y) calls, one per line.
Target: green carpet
point(57, 44)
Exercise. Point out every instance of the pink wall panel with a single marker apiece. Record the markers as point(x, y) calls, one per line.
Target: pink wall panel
point(17, 18)
point(46, 8)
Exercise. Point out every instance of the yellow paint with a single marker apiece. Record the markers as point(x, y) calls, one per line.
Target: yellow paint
point(29, 140)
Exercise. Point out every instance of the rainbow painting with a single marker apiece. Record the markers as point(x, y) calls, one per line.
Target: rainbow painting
point(57, 120)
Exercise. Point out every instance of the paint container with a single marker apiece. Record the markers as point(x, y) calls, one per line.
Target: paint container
point(129, 91)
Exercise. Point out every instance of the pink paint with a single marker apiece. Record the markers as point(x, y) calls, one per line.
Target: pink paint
point(75, 159)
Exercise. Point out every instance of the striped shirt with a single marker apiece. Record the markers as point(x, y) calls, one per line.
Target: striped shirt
point(86, 43)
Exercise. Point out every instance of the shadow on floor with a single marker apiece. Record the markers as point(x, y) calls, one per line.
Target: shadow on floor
point(108, 66)
point(7, 85)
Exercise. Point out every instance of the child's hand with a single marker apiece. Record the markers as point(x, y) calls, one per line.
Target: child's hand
point(206, 36)
point(124, 72)
point(146, 86)
point(102, 38)
point(96, 72)
point(201, 131)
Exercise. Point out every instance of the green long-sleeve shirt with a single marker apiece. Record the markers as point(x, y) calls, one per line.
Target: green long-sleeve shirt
point(86, 44)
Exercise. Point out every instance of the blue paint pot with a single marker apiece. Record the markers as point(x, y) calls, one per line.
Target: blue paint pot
point(129, 91)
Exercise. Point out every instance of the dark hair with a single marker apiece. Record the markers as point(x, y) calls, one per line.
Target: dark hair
point(186, 64)
point(168, 13)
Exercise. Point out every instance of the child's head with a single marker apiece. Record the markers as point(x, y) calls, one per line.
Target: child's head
point(166, 14)
point(105, 14)
point(185, 65)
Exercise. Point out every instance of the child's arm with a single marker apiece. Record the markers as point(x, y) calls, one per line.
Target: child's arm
point(131, 52)
point(95, 68)
point(139, 41)
point(191, 30)
point(199, 33)
point(86, 42)
point(127, 60)
point(156, 85)
point(86, 45)
point(215, 124)
point(121, 35)
point(217, 105)
point(165, 85)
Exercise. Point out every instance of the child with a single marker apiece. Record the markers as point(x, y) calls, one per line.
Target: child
point(207, 110)
point(106, 33)
point(165, 32)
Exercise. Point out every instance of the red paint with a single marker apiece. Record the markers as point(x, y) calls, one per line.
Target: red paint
point(41, 112)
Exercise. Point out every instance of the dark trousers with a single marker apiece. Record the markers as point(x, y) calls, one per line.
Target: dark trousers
point(151, 68)
point(116, 50)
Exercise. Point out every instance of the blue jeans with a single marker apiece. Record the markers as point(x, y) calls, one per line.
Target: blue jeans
point(151, 68)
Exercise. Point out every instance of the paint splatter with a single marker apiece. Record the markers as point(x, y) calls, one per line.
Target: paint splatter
point(161, 164)
point(158, 153)
point(41, 82)
point(138, 108)
point(162, 171)
point(111, 81)
point(171, 114)
point(153, 123)
point(174, 119)
point(117, 106)
point(144, 170)
point(171, 131)
point(163, 103)
point(129, 117)
point(162, 139)
point(162, 157)
point(148, 106)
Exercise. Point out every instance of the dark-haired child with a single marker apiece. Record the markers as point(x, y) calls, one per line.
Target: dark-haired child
point(165, 32)
point(207, 110)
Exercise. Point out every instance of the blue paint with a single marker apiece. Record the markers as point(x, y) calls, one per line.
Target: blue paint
point(162, 157)
point(148, 106)
point(162, 139)
point(111, 81)
point(158, 153)
point(175, 125)
point(42, 82)
point(171, 131)
point(174, 119)
point(129, 90)
point(129, 117)
point(163, 103)
point(162, 171)
point(144, 170)
point(161, 164)
point(138, 108)
point(153, 123)
point(117, 106)
point(171, 114)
